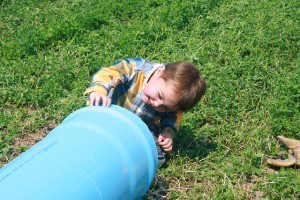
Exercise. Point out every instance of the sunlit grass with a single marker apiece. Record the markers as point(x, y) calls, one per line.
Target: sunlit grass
point(248, 52)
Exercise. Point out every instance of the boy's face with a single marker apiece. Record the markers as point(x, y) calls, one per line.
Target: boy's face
point(158, 94)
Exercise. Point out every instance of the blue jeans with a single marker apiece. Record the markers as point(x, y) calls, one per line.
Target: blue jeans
point(161, 155)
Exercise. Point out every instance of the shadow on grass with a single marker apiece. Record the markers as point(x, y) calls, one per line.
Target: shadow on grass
point(194, 147)
point(186, 144)
point(158, 190)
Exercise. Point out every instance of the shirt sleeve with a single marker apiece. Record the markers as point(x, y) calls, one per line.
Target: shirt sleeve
point(108, 77)
point(171, 123)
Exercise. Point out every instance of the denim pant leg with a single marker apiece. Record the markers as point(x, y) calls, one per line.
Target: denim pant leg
point(161, 154)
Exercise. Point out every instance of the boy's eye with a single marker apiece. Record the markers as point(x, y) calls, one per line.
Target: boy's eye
point(159, 95)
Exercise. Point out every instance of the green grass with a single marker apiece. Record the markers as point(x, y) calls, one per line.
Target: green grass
point(247, 50)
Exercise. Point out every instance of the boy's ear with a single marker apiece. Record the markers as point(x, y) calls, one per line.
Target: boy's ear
point(160, 70)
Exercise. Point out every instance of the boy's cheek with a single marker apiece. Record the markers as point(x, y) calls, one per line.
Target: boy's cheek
point(145, 98)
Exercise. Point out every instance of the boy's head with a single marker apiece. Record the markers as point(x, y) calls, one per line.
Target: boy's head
point(175, 87)
point(187, 82)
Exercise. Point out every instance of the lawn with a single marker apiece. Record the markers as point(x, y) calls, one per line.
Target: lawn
point(247, 51)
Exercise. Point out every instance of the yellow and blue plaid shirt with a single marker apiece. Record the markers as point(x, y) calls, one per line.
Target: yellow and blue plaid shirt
point(128, 78)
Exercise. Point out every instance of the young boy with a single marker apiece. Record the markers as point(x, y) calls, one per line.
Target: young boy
point(157, 93)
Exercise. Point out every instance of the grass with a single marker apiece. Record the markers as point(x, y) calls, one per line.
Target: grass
point(248, 52)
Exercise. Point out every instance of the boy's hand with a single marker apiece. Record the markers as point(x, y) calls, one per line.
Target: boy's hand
point(96, 98)
point(165, 141)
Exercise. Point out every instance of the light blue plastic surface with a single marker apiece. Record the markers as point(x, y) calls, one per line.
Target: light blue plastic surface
point(95, 153)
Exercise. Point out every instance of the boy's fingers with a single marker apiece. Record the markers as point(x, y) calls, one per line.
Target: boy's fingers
point(104, 101)
point(160, 138)
point(108, 102)
point(166, 144)
point(165, 141)
point(97, 100)
point(91, 101)
point(162, 143)
point(168, 150)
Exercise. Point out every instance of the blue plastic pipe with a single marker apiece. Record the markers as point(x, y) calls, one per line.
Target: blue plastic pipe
point(95, 153)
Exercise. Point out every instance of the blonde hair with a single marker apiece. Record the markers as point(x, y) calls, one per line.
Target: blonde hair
point(187, 81)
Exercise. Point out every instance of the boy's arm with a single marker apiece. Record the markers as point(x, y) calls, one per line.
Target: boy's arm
point(107, 78)
point(169, 126)
point(171, 123)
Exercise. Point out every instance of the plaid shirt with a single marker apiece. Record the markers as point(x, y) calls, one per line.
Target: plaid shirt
point(128, 78)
